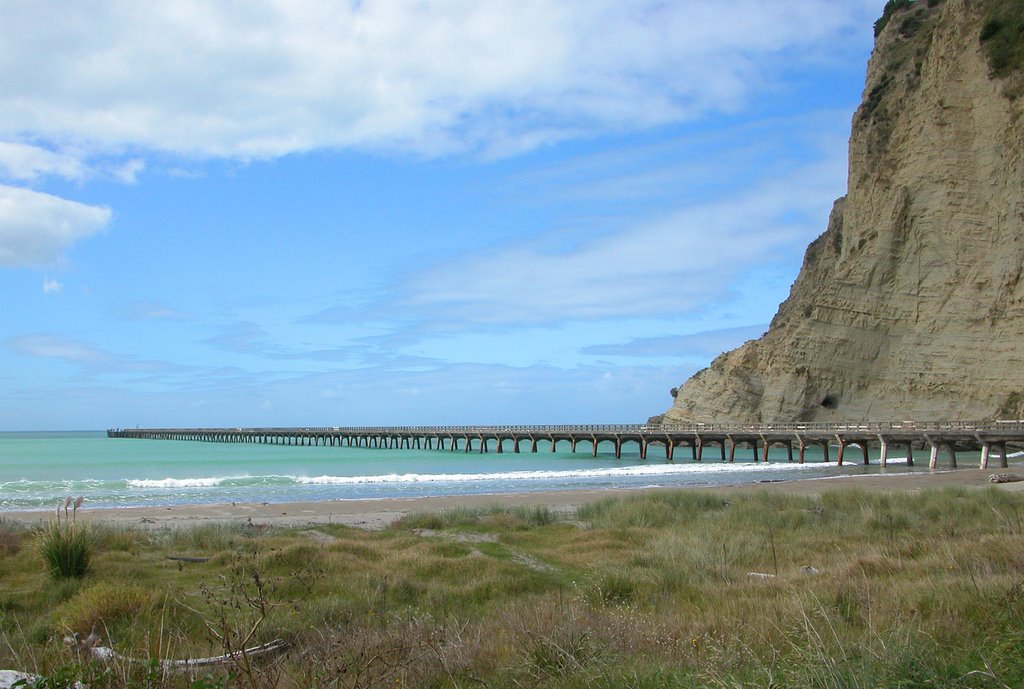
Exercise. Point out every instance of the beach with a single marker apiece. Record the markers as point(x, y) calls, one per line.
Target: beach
point(380, 513)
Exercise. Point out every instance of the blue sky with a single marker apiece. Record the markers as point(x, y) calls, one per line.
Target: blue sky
point(313, 212)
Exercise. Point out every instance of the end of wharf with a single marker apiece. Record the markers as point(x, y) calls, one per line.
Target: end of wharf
point(950, 436)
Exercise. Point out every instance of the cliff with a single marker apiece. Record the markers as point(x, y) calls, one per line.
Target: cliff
point(911, 304)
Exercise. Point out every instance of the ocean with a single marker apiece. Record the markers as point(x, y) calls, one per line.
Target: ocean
point(38, 469)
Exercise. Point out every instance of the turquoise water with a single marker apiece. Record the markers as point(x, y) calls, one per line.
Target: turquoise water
point(38, 469)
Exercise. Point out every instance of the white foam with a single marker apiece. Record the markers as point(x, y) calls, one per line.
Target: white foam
point(638, 470)
point(175, 482)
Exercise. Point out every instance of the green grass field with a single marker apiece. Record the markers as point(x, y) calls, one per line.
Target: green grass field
point(673, 589)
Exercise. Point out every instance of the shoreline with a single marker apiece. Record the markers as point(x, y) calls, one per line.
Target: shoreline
point(379, 513)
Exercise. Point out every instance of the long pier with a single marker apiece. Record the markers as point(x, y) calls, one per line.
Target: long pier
point(988, 437)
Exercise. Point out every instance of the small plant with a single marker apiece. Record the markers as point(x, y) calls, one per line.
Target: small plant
point(64, 545)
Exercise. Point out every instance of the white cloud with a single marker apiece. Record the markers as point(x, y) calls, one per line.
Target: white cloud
point(36, 228)
point(156, 312)
point(23, 162)
point(53, 347)
point(51, 286)
point(695, 345)
point(680, 262)
point(128, 173)
point(270, 77)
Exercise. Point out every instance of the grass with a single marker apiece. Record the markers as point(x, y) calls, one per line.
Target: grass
point(653, 590)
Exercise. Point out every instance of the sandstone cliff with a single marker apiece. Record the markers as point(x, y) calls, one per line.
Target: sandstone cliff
point(911, 304)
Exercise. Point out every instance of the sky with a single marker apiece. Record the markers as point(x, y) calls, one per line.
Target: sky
point(403, 212)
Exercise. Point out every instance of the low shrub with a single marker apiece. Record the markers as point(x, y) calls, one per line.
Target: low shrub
point(102, 605)
point(10, 538)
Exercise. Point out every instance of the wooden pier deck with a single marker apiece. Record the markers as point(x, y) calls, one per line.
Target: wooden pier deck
point(951, 437)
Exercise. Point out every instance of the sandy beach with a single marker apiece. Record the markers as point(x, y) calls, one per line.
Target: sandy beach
point(378, 514)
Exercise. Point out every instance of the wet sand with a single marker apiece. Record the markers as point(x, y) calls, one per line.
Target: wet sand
point(378, 514)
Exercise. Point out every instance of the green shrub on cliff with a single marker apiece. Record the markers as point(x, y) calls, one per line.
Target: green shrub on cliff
point(1002, 37)
point(891, 8)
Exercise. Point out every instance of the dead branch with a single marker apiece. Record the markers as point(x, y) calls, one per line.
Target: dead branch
point(107, 654)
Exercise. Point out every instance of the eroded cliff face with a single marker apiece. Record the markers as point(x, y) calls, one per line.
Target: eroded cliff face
point(911, 304)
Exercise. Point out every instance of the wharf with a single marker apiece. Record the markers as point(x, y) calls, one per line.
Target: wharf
point(950, 437)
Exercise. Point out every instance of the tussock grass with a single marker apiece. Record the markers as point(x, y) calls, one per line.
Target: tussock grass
point(65, 548)
point(652, 590)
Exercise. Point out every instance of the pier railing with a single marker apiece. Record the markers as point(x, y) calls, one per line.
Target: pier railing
point(883, 427)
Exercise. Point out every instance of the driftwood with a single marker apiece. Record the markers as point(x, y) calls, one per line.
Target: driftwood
point(1005, 478)
point(108, 654)
point(8, 678)
point(184, 558)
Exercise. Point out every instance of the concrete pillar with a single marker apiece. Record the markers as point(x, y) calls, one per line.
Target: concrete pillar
point(883, 450)
point(952, 454)
point(910, 453)
point(864, 447)
point(1002, 455)
point(764, 455)
point(933, 459)
point(839, 454)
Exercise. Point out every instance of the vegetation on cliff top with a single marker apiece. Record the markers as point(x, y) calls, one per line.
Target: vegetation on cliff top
point(894, 6)
point(1002, 37)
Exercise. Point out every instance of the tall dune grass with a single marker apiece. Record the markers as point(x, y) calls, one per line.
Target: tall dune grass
point(852, 590)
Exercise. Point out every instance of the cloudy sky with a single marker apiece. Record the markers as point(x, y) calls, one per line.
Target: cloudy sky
point(347, 212)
